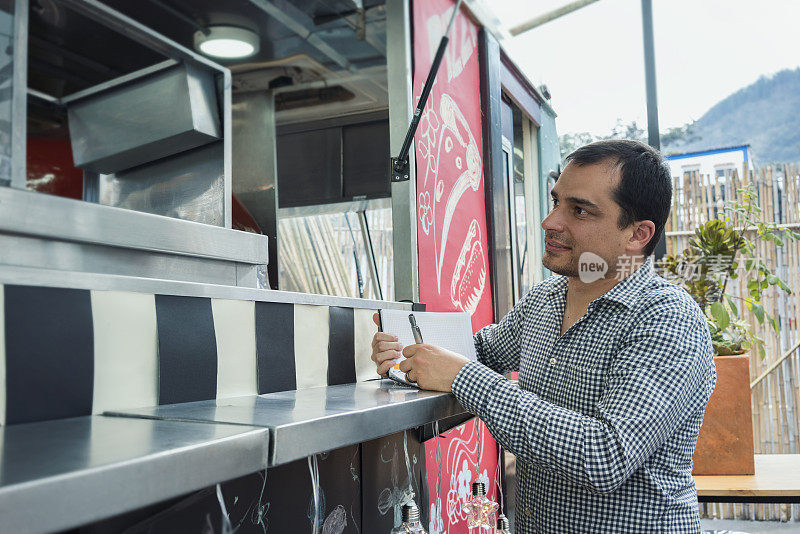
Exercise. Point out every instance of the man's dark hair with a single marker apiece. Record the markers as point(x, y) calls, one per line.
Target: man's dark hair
point(645, 188)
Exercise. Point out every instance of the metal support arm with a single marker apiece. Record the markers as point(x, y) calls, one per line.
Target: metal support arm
point(399, 165)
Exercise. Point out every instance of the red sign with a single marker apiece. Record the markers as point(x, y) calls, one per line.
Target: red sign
point(458, 449)
point(451, 236)
point(451, 210)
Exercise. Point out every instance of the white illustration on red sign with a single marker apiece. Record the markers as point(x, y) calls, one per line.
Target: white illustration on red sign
point(436, 523)
point(462, 452)
point(469, 276)
point(456, 148)
point(463, 41)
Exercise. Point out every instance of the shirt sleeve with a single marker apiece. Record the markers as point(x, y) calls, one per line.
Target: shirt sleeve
point(663, 373)
point(498, 345)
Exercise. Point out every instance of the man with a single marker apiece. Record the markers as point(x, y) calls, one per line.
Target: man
point(614, 372)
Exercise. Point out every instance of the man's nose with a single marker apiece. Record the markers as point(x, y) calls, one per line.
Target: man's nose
point(553, 221)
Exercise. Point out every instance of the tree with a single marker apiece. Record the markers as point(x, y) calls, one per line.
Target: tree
point(631, 130)
point(569, 142)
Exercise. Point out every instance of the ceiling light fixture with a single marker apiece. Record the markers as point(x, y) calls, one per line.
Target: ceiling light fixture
point(228, 42)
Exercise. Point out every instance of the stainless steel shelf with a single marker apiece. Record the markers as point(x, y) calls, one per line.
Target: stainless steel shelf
point(39, 230)
point(55, 218)
point(65, 473)
point(315, 420)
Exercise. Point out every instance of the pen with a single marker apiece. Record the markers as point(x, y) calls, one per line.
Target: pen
point(415, 328)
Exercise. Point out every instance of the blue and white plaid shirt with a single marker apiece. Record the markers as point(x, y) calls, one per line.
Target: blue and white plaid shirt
point(605, 418)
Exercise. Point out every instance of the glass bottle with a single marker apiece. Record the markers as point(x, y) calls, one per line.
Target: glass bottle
point(480, 511)
point(503, 526)
point(411, 523)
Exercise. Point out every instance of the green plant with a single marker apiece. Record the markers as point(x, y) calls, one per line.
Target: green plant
point(719, 250)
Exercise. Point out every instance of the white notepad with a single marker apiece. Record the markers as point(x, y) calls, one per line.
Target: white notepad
point(449, 330)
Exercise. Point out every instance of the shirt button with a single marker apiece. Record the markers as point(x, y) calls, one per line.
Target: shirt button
point(528, 512)
point(552, 361)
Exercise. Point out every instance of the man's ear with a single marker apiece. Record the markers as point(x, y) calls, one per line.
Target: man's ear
point(643, 232)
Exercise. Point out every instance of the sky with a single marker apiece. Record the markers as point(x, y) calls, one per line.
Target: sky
point(592, 59)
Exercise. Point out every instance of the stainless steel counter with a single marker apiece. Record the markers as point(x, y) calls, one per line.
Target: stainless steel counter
point(314, 420)
point(61, 474)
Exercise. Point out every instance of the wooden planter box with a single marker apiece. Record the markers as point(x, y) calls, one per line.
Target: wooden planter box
point(725, 443)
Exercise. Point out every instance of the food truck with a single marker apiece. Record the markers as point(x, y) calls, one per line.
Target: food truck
point(185, 335)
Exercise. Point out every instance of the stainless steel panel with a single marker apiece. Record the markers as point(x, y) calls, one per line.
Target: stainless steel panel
point(106, 282)
point(24, 251)
point(152, 117)
point(226, 89)
point(65, 473)
point(56, 218)
point(188, 186)
point(254, 276)
point(404, 195)
point(19, 95)
point(255, 174)
point(169, 48)
point(117, 82)
point(315, 420)
point(7, 93)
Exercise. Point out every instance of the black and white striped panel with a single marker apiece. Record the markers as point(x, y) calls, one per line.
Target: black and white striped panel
point(274, 331)
point(364, 329)
point(2, 356)
point(142, 357)
point(235, 330)
point(48, 353)
point(311, 336)
point(301, 346)
point(187, 349)
point(126, 366)
point(341, 349)
point(344, 357)
point(69, 352)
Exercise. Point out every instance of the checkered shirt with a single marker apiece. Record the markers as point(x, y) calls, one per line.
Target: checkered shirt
point(605, 418)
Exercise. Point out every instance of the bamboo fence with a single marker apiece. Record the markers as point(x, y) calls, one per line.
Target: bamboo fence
point(776, 407)
point(322, 254)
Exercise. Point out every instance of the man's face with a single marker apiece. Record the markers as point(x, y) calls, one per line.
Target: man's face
point(584, 219)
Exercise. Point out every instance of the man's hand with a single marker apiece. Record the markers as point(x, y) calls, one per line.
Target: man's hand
point(385, 349)
point(431, 367)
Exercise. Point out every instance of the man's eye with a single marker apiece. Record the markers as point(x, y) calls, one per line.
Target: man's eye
point(580, 211)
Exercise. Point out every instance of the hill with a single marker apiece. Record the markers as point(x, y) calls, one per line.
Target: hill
point(765, 114)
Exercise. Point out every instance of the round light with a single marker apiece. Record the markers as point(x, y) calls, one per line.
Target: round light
point(227, 42)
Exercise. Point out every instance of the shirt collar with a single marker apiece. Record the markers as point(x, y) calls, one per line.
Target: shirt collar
point(628, 289)
point(624, 292)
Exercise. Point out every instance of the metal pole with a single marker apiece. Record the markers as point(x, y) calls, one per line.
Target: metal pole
point(359, 278)
point(404, 194)
point(653, 138)
point(547, 17)
point(650, 75)
point(19, 96)
point(373, 265)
